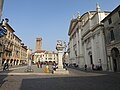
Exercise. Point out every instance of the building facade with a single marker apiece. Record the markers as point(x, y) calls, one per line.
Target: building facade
point(93, 39)
point(51, 57)
point(13, 51)
point(23, 54)
point(112, 38)
point(8, 42)
point(43, 55)
point(86, 43)
point(16, 50)
point(75, 50)
point(1, 49)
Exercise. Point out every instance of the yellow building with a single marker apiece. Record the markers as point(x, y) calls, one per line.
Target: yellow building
point(14, 52)
point(23, 54)
point(8, 42)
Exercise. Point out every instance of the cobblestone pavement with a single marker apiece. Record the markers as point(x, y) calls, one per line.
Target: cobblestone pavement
point(76, 80)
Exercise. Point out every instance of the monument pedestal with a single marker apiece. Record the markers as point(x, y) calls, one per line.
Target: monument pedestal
point(61, 71)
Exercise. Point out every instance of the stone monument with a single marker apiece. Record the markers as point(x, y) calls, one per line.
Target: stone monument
point(60, 70)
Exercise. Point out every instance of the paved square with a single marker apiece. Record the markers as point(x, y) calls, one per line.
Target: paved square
point(76, 80)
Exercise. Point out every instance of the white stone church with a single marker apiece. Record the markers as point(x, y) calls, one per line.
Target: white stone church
point(86, 40)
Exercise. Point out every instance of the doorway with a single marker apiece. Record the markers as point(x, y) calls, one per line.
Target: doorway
point(115, 59)
point(91, 60)
point(91, 57)
point(115, 65)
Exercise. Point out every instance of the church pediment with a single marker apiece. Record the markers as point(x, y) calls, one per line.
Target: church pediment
point(72, 25)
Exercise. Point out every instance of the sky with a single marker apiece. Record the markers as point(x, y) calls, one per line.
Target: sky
point(49, 19)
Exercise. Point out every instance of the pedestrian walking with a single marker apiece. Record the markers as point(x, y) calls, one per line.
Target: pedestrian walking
point(93, 67)
point(6, 66)
point(41, 65)
point(54, 66)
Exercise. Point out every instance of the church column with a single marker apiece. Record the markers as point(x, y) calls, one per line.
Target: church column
point(93, 50)
point(102, 51)
point(77, 48)
point(85, 54)
point(81, 48)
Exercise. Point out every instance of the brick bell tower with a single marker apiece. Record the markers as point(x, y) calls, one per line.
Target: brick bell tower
point(38, 44)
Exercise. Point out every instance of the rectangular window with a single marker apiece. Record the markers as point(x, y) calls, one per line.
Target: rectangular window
point(49, 58)
point(109, 21)
point(1, 47)
point(119, 13)
point(0, 55)
point(112, 35)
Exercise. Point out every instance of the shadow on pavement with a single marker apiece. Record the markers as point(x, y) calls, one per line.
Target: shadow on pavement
point(94, 71)
point(2, 77)
point(72, 83)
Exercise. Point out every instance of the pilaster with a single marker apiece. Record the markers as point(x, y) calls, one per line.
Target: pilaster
point(93, 50)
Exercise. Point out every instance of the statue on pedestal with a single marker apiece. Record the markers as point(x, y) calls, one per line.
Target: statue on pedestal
point(60, 46)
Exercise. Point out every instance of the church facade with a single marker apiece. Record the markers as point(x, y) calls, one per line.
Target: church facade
point(86, 42)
